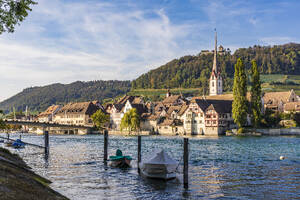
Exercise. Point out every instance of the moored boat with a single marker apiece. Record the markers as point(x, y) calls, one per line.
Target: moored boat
point(119, 160)
point(8, 143)
point(159, 166)
point(18, 144)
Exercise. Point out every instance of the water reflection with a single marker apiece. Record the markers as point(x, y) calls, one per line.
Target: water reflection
point(219, 168)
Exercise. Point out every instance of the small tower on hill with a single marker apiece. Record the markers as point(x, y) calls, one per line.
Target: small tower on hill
point(215, 81)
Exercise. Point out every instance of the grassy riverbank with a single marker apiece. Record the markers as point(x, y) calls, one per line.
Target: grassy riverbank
point(17, 181)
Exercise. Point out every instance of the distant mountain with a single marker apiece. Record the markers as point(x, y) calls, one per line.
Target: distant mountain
point(194, 71)
point(39, 98)
point(185, 72)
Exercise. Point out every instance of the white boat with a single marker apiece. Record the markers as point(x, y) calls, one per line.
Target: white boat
point(160, 166)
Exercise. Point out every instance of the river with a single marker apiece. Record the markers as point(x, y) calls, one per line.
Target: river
point(219, 168)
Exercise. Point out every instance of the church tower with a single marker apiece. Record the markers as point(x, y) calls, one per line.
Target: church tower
point(215, 81)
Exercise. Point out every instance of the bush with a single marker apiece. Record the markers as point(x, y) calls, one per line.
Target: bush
point(240, 131)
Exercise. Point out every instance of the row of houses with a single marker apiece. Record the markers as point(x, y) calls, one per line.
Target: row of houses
point(175, 115)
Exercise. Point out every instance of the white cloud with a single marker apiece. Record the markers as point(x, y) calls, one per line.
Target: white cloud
point(65, 42)
point(276, 40)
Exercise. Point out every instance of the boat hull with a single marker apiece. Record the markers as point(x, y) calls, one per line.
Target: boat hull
point(122, 163)
point(159, 171)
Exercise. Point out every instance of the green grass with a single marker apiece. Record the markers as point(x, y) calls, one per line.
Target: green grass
point(268, 78)
point(159, 94)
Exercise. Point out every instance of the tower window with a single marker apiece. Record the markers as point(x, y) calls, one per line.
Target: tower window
point(213, 84)
point(219, 84)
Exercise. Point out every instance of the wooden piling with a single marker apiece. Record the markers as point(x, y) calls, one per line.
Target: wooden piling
point(46, 137)
point(105, 145)
point(7, 136)
point(186, 163)
point(139, 152)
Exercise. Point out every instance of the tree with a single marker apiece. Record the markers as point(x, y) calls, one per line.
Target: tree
point(12, 12)
point(255, 95)
point(100, 119)
point(239, 105)
point(130, 120)
point(2, 124)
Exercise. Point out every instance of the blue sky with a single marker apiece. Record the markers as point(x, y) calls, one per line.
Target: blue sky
point(68, 40)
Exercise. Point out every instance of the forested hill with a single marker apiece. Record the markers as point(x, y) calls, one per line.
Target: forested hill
point(39, 98)
point(194, 71)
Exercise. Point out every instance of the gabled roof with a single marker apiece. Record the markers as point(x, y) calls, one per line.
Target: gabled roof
point(131, 99)
point(171, 99)
point(220, 106)
point(173, 108)
point(154, 116)
point(183, 108)
point(275, 97)
point(50, 110)
point(87, 108)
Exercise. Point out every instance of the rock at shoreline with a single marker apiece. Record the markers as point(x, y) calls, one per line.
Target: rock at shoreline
point(17, 181)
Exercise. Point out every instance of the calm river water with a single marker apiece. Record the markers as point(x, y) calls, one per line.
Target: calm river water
point(219, 168)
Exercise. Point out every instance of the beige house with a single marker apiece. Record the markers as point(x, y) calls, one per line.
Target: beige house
point(47, 115)
point(275, 100)
point(76, 113)
point(124, 105)
point(291, 107)
point(208, 117)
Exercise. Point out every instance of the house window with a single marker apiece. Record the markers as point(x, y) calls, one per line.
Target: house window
point(200, 121)
point(214, 116)
point(214, 122)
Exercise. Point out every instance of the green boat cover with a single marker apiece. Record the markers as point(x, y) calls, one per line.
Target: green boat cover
point(119, 156)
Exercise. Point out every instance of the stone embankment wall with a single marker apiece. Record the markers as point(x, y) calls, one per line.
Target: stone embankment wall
point(279, 131)
point(127, 133)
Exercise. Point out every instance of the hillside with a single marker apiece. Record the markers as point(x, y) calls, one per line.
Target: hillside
point(39, 98)
point(194, 71)
point(279, 66)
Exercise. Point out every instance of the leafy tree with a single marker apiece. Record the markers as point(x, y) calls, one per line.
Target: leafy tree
point(2, 124)
point(13, 12)
point(130, 120)
point(255, 95)
point(100, 119)
point(239, 105)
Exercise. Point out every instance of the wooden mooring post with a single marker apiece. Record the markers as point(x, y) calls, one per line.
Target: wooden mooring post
point(7, 134)
point(139, 153)
point(46, 137)
point(186, 163)
point(105, 145)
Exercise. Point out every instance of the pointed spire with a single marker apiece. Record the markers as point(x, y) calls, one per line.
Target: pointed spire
point(215, 54)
